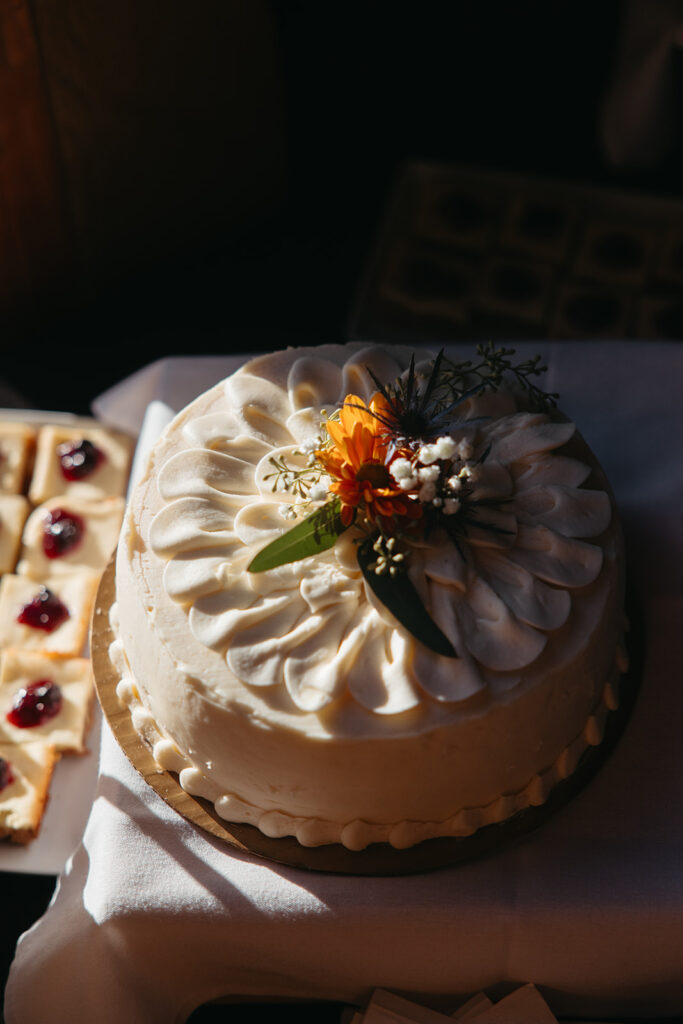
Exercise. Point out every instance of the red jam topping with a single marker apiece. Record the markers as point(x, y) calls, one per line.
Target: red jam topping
point(44, 612)
point(78, 459)
point(6, 777)
point(62, 532)
point(35, 704)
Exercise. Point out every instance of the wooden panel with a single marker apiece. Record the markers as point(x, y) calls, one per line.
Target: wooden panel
point(169, 121)
point(129, 132)
point(35, 248)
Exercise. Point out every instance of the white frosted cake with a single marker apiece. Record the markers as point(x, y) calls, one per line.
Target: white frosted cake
point(364, 598)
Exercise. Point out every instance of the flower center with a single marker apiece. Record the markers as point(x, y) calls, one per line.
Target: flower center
point(374, 473)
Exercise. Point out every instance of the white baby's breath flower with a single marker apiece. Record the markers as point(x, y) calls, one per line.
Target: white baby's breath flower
point(320, 489)
point(427, 492)
point(451, 506)
point(309, 446)
point(428, 474)
point(470, 471)
point(437, 502)
point(407, 483)
point(428, 454)
point(454, 483)
point(286, 512)
point(400, 469)
point(445, 446)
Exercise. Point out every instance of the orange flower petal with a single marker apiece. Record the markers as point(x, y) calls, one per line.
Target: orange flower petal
point(358, 439)
point(354, 410)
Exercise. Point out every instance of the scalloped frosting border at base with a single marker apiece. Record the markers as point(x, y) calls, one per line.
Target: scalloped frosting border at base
point(357, 835)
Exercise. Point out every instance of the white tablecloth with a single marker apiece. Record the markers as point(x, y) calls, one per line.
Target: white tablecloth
point(152, 918)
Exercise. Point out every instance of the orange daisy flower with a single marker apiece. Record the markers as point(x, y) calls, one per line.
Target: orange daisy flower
point(358, 463)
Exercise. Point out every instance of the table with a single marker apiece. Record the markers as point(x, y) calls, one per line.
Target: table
point(152, 918)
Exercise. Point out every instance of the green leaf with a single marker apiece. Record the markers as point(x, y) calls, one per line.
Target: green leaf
point(314, 534)
point(403, 601)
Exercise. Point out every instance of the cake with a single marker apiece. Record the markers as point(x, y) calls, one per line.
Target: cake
point(52, 616)
point(14, 508)
point(25, 775)
point(17, 443)
point(44, 696)
point(364, 596)
point(68, 534)
point(61, 505)
point(90, 461)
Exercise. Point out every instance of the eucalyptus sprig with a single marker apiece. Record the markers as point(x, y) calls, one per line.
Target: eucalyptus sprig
point(467, 377)
point(420, 406)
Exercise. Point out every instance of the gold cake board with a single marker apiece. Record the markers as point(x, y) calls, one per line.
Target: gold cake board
point(377, 859)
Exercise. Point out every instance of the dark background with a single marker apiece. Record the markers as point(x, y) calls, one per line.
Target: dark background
point(221, 169)
point(208, 178)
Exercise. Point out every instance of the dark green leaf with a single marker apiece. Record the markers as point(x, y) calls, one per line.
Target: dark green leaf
point(432, 382)
point(314, 534)
point(403, 601)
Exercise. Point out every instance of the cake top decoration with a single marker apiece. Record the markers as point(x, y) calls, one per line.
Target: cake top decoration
point(400, 469)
